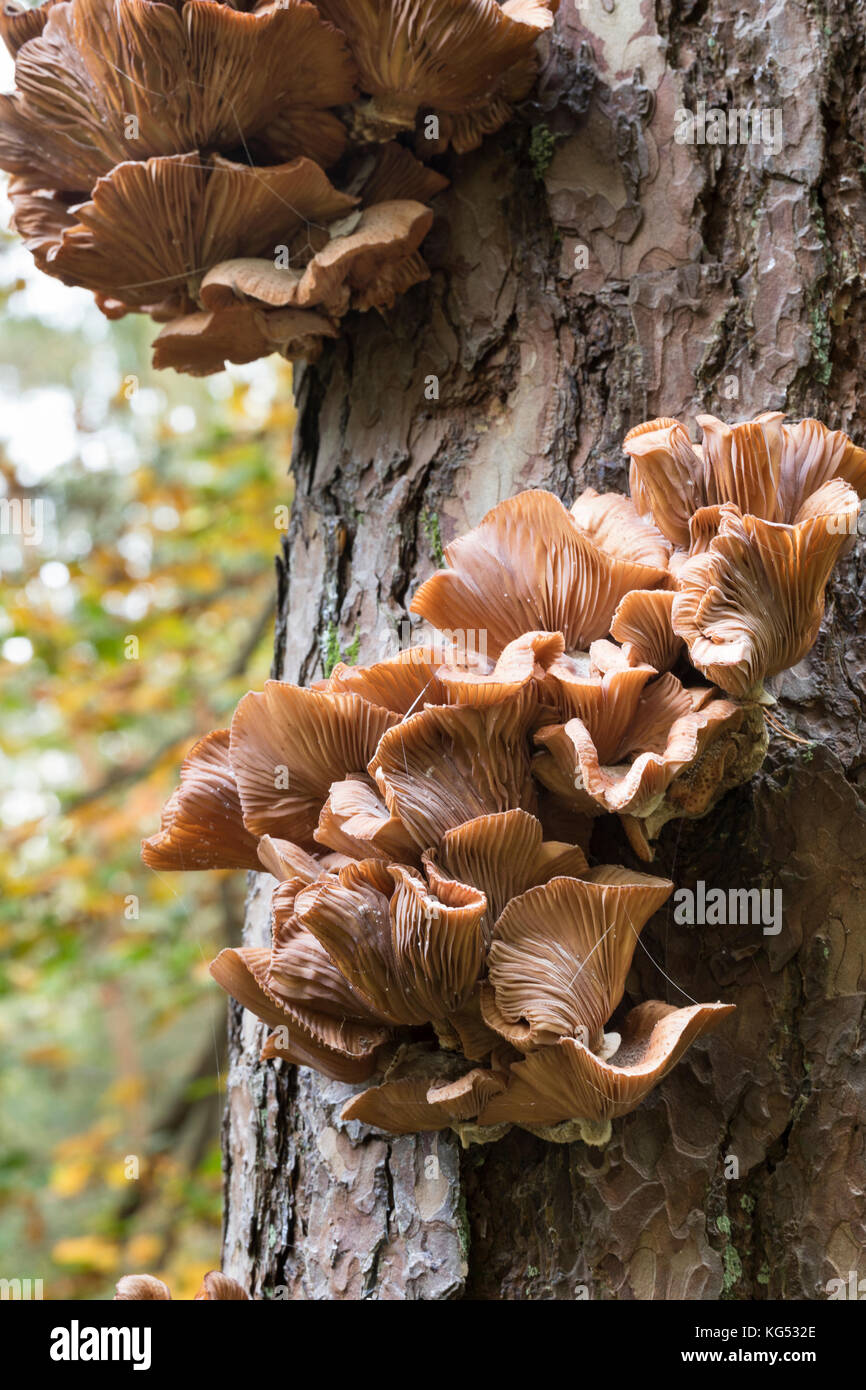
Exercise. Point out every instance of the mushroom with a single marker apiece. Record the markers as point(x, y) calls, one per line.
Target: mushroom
point(446, 55)
point(451, 763)
point(215, 1287)
point(288, 745)
point(643, 624)
point(101, 87)
point(528, 566)
point(503, 855)
point(752, 603)
point(202, 822)
point(629, 748)
point(411, 1105)
point(569, 1081)
point(315, 1033)
point(560, 955)
point(412, 952)
point(136, 115)
point(20, 23)
point(766, 468)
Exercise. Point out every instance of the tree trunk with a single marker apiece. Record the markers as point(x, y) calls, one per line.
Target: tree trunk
point(628, 277)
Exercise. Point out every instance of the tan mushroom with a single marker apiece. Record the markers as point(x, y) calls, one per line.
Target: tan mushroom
point(503, 855)
point(448, 55)
point(560, 955)
point(288, 745)
point(675, 756)
point(529, 567)
point(340, 1047)
point(752, 603)
point(569, 1081)
point(643, 624)
point(202, 822)
point(449, 764)
point(410, 1105)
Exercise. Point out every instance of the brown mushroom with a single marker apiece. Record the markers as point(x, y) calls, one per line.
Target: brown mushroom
point(217, 1287)
point(96, 90)
point(410, 1106)
point(448, 55)
point(413, 953)
point(766, 468)
point(568, 1081)
point(528, 567)
point(202, 823)
point(752, 603)
point(503, 855)
point(560, 955)
point(623, 756)
point(288, 745)
point(643, 624)
point(140, 1287)
point(449, 764)
point(344, 1049)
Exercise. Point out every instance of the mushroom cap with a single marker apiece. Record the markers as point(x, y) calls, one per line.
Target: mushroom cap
point(341, 1048)
point(198, 212)
point(355, 821)
point(217, 1287)
point(133, 1288)
point(444, 54)
point(414, 952)
point(411, 1106)
point(288, 745)
point(561, 952)
point(752, 603)
point(86, 86)
point(614, 525)
point(20, 23)
point(765, 467)
point(449, 764)
point(528, 567)
point(202, 824)
point(372, 263)
point(200, 344)
point(672, 728)
point(568, 1081)
point(400, 683)
point(643, 624)
point(503, 855)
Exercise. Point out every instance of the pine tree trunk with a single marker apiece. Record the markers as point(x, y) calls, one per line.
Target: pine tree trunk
point(630, 276)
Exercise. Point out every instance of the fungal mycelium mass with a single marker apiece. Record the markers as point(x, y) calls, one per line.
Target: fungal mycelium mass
point(171, 157)
point(438, 926)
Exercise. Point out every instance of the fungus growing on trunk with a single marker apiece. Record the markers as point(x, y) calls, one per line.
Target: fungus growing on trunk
point(440, 926)
point(171, 157)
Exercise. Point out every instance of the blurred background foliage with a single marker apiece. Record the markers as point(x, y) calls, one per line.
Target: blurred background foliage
point(131, 626)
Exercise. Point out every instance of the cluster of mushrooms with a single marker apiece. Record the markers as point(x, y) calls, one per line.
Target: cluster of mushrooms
point(437, 923)
point(146, 1288)
point(171, 157)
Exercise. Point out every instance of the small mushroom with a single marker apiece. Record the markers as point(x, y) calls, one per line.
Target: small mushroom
point(528, 567)
point(449, 764)
point(448, 55)
point(569, 1081)
point(202, 822)
point(643, 624)
point(752, 603)
point(560, 955)
point(288, 745)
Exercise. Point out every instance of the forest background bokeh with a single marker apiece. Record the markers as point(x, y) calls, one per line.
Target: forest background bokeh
point(129, 627)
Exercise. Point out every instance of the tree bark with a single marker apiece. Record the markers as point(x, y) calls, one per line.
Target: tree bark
point(724, 278)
